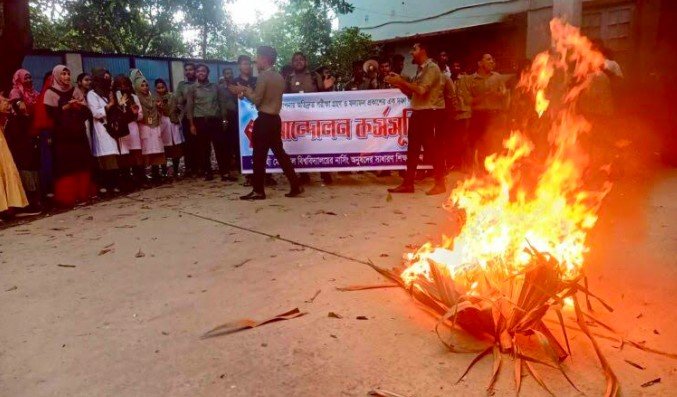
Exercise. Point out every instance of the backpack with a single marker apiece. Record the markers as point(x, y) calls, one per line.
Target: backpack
point(117, 121)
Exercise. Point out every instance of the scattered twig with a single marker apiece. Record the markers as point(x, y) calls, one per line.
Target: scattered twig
point(334, 315)
point(311, 300)
point(364, 287)
point(246, 323)
point(140, 254)
point(60, 265)
point(242, 263)
point(384, 393)
point(651, 382)
point(635, 365)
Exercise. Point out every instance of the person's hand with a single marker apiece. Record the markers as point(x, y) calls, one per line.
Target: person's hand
point(124, 99)
point(394, 79)
point(239, 89)
point(135, 109)
point(22, 107)
point(193, 129)
point(72, 104)
point(329, 82)
point(159, 103)
point(233, 89)
point(5, 106)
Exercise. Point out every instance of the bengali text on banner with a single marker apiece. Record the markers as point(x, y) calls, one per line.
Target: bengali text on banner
point(336, 131)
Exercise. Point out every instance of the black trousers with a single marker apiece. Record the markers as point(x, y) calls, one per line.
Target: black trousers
point(208, 131)
point(267, 136)
point(486, 133)
point(422, 125)
point(189, 147)
point(232, 138)
point(461, 155)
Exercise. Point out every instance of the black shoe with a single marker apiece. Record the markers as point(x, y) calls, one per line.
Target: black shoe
point(437, 189)
point(403, 188)
point(253, 196)
point(295, 192)
point(209, 177)
point(228, 178)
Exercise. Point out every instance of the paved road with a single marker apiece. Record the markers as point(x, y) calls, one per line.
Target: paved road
point(111, 299)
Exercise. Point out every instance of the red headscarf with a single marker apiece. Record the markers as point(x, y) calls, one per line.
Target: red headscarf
point(41, 121)
point(23, 89)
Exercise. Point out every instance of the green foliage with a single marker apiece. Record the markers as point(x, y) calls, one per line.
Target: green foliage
point(216, 33)
point(144, 27)
point(305, 25)
point(156, 27)
point(300, 25)
point(346, 46)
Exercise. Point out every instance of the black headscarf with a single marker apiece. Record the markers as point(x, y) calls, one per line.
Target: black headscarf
point(123, 84)
point(100, 84)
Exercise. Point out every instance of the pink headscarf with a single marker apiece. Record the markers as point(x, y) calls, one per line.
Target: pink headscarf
point(23, 90)
point(56, 75)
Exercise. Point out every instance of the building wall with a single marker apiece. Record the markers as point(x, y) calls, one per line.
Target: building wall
point(404, 18)
point(505, 41)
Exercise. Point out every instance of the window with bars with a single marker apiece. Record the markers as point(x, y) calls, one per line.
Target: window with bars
point(612, 25)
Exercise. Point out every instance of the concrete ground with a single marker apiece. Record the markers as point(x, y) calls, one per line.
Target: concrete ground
point(111, 299)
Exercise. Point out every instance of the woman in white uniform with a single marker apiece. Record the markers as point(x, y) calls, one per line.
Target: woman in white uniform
point(131, 156)
point(105, 148)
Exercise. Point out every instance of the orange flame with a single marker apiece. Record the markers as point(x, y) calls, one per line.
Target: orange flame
point(521, 202)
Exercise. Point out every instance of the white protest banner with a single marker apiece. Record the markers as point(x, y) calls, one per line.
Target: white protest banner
point(336, 131)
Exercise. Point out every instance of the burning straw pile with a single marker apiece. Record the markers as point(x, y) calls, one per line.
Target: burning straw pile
point(520, 251)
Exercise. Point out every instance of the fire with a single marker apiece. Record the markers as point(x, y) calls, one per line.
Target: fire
point(523, 204)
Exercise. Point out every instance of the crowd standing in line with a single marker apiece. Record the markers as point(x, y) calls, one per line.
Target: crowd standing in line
point(104, 135)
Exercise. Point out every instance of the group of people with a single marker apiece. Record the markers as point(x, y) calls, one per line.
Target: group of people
point(72, 142)
point(105, 134)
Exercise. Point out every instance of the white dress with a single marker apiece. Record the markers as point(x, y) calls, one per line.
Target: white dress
point(151, 139)
point(102, 143)
point(133, 140)
point(171, 133)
